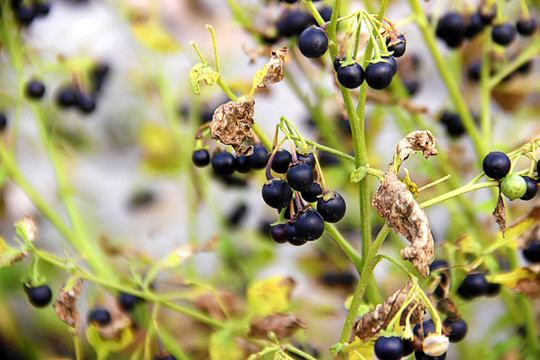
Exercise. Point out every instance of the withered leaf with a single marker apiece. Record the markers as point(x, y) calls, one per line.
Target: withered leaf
point(114, 330)
point(529, 287)
point(499, 213)
point(231, 124)
point(378, 319)
point(65, 307)
point(395, 203)
point(272, 72)
point(448, 308)
point(282, 325)
point(216, 307)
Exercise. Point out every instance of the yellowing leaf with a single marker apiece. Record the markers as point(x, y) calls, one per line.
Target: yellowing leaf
point(269, 296)
point(202, 72)
point(103, 346)
point(512, 278)
point(9, 255)
point(152, 35)
point(223, 347)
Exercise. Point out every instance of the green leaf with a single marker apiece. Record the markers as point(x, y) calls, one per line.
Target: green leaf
point(223, 347)
point(103, 346)
point(358, 174)
point(362, 309)
point(202, 72)
point(269, 296)
point(9, 255)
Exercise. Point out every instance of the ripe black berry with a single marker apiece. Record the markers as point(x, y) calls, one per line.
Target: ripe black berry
point(411, 86)
point(293, 23)
point(503, 34)
point(350, 76)
point(309, 225)
point(474, 70)
point(526, 27)
point(223, 163)
point(388, 348)
point(277, 233)
point(398, 47)
point(200, 158)
point(241, 164)
point(42, 9)
point(127, 301)
point(437, 265)
point(424, 329)
point(379, 75)
point(496, 165)
point(313, 42)
point(337, 62)
point(452, 122)
point(300, 176)
point(3, 122)
point(333, 209)
point(292, 237)
point(488, 14)
point(237, 214)
point(86, 103)
point(100, 316)
point(420, 355)
point(39, 296)
point(164, 357)
point(532, 189)
point(451, 28)
point(289, 1)
point(458, 329)
point(473, 285)
point(98, 76)
point(493, 289)
point(390, 60)
point(312, 194)
point(66, 97)
point(326, 13)
point(35, 89)
point(259, 158)
point(277, 193)
point(281, 161)
point(24, 15)
point(532, 252)
point(308, 158)
point(475, 25)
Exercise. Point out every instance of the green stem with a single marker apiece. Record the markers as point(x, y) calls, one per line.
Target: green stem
point(459, 191)
point(530, 52)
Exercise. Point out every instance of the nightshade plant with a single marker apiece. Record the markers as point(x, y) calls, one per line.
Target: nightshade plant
point(141, 305)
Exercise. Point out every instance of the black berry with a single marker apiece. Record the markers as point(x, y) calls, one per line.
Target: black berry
point(473, 285)
point(308, 158)
point(313, 42)
point(277, 233)
point(458, 329)
point(281, 161)
point(277, 193)
point(42, 9)
point(474, 70)
point(127, 301)
point(292, 237)
point(423, 329)
point(98, 76)
point(66, 97)
point(379, 75)
point(223, 163)
point(437, 265)
point(35, 89)
point(241, 164)
point(39, 296)
point(411, 86)
point(24, 15)
point(496, 165)
point(388, 348)
point(420, 355)
point(453, 123)
point(200, 158)
point(350, 76)
point(390, 60)
point(300, 176)
point(503, 34)
point(493, 289)
point(293, 23)
point(526, 26)
point(532, 189)
point(3, 122)
point(99, 316)
point(312, 194)
point(237, 214)
point(398, 47)
point(475, 25)
point(326, 13)
point(333, 209)
point(532, 252)
point(309, 225)
point(86, 103)
point(451, 28)
point(259, 158)
point(488, 15)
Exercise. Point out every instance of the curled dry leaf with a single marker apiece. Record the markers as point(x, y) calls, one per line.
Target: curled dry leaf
point(65, 307)
point(529, 287)
point(396, 204)
point(499, 213)
point(219, 305)
point(272, 72)
point(378, 319)
point(27, 228)
point(231, 124)
point(448, 308)
point(282, 325)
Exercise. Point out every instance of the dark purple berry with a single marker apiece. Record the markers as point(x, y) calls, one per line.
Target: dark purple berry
point(300, 176)
point(24, 15)
point(237, 214)
point(420, 355)
point(451, 28)
point(443, 275)
point(308, 158)
point(312, 194)
point(313, 42)
point(526, 26)
point(293, 23)
point(532, 252)
point(292, 237)
point(475, 25)
point(86, 103)
point(200, 158)
point(128, 301)
point(473, 285)
point(407, 347)
point(281, 161)
point(493, 289)
point(398, 47)
point(99, 316)
point(388, 348)
point(503, 34)
point(223, 163)
point(532, 189)
point(379, 75)
point(277, 193)
point(337, 62)
point(66, 97)
point(496, 165)
point(488, 15)
point(453, 123)
point(309, 225)
point(241, 164)
point(277, 233)
point(423, 329)
point(42, 9)
point(259, 158)
point(35, 89)
point(474, 70)
point(333, 209)
point(350, 76)
point(98, 76)
point(390, 60)
point(411, 86)
point(326, 13)
point(3, 122)
point(458, 329)
point(39, 296)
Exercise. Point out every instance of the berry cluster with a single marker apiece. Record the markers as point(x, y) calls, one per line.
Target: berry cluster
point(25, 14)
point(225, 164)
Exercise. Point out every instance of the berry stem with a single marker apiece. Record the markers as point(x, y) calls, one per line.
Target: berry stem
point(457, 192)
point(214, 45)
point(321, 175)
point(314, 12)
point(524, 8)
point(529, 53)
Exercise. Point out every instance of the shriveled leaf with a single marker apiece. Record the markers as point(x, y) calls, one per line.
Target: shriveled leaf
point(272, 72)
point(416, 141)
point(270, 296)
point(26, 228)
point(223, 347)
point(202, 72)
point(378, 319)
point(282, 325)
point(358, 174)
point(529, 287)
point(500, 213)
point(231, 124)
point(65, 305)
point(9, 255)
point(152, 35)
point(220, 305)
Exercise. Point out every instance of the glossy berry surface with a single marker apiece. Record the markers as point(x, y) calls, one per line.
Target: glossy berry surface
point(292, 236)
point(379, 75)
point(451, 28)
point(66, 97)
point(293, 23)
point(127, 301)
point(259, 158)
point(200, 158)
point(99, 316)
point(277, 233)
point(458, 329)
point(308, 158)
point(532, 189)
point(453, 123)
point(526, 27)
point(474, 26)
point(513, 186)
point(281, 161)
point(388, 348)
point(313, 42)
point(223, 163)
point(398, 47)
point(86, 103)
point(532, 252)
point(473, 285)
point(312, 194)
point(241, 164)
point(24, 15)
point(493, 289)
point(503, 34)
point(333, 209)
point(309, 225)
point(424, 329)
point(276, 193)
point(390, 60)
point(300, 176)
point(35, 89)
point(38, 296)
point(350, 76)
point(496, 165)
point(420, 355)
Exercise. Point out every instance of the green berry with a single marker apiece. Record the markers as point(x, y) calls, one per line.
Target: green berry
point(513, 186)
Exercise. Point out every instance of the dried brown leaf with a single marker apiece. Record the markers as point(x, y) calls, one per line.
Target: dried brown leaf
point(448, 308)
point(378, 319)
point(274, 68)
point(529, 287)
point(282, 325)
point(231, 124)
point(217, 304)
point(113, 330)
point(417, 141)
point(500, 213)
point(66, 308)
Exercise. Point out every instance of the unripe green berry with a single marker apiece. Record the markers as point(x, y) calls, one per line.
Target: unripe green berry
point(513, 186)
